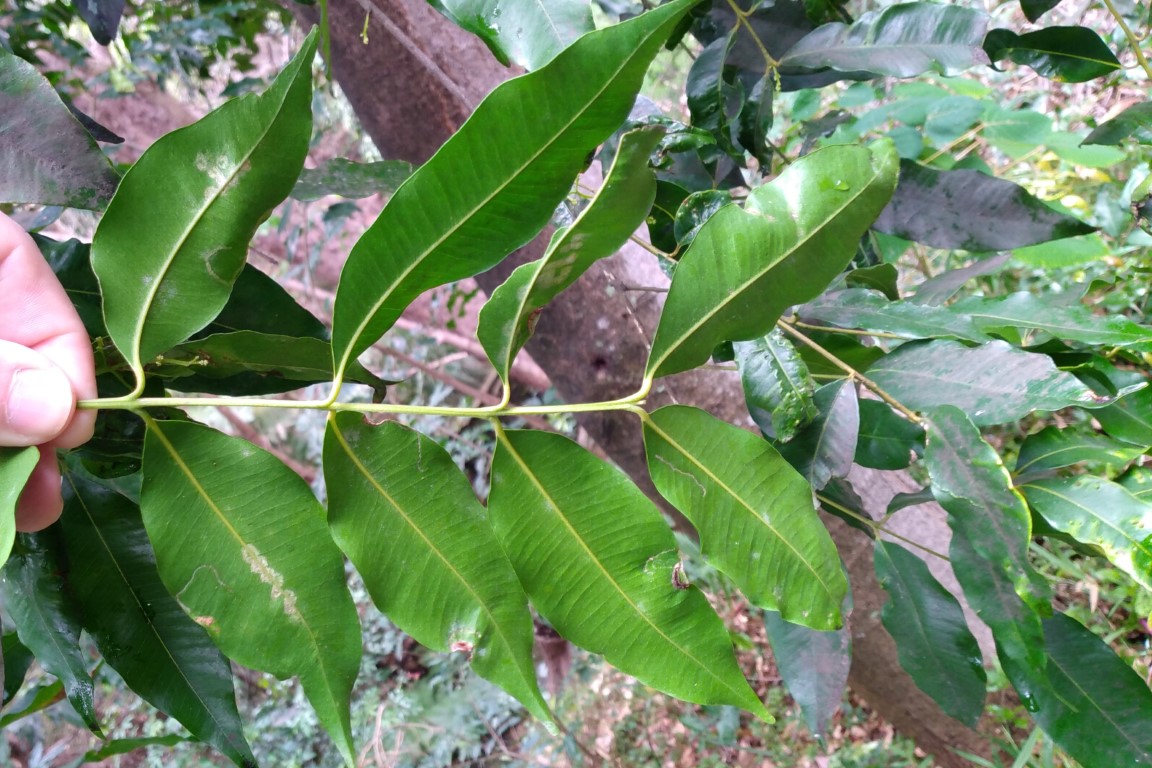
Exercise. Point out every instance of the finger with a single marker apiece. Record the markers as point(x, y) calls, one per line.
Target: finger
point(40, 503)
point(36, 398)
point(35, 312)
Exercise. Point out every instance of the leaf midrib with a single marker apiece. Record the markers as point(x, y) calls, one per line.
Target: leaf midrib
point(591, 556)
point(496, 626)
point(353, 340)
point(752, 512)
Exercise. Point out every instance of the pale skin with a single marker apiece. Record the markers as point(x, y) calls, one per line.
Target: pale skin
point(45, 367)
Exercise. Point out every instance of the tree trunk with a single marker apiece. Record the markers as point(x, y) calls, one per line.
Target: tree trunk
point(412, 84)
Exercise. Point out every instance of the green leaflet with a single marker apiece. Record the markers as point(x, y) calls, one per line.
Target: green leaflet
point(1138, 481)
point(886, 439)
point(1100, 513)
point(991, 529)
point(814, 666)
point(16, 465)
point(267, 601)
point(566, 518)
point(202, 191)
point(932, 637)
point(1073, 322)
point(778, 387)
point(39, 133)
point(141, 631)
point(1089, 701)
point(1054, 447)
point(1065, 54)
point(900, 41)
point(1134, 122)
point(496, 182)
point(47, 618)
point(871, 311)
point(993, 383)
point(527, 32)
point(825, 449)
point(746, 266)
point(619, 207)
point(409, 521)
point(755, 514)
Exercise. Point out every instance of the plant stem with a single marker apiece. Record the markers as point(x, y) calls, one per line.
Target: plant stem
point(742, 19)
point(848, 331)
point(1133, 40)
point(852, 372)
point(879, 527)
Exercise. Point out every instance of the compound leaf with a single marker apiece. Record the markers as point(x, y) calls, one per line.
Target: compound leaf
point(566, 518)
point(746, 266)
point(409, 521)
point(202, 190)
point(755, 514)
point(261, 573)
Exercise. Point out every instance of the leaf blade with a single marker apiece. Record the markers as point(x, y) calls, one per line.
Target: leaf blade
point(216, 180)
point(754, 513)
point(799, 232)
point(426, 553)
point(266, 602)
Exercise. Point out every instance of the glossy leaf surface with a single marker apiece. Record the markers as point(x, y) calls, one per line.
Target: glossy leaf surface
point(1072, 322)
point(260, 304)
point(527, 32)
point(617, 210)
point(409, 521)
point(1099, 513)
point(825, 448)
point(47, 619)
point(267, 602)
point(993, 383)
point(140, 629)
point(886, 440)
point(933, 641)
point(16, 465)
point(778, 388)
point(1064, 54)
point(564, 518)
point(870, 311)
point(991, 529)
point(900, 41)
point(1054, 447)
point(1094, 705)
point(745, 267)
point(343, 177)
point(1135, 122)
point(754, 513)
point(38, 132)
point(496, 182)
point(17, 660)
point(970, 210)
point(203, 189)
point(1129, 418)
point(102, 17)
point(1138, 481)
point(814, 666)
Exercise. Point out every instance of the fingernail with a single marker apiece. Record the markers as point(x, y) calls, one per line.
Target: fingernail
point(39, 404)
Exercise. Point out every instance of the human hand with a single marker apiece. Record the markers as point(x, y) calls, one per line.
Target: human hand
point(45, 366)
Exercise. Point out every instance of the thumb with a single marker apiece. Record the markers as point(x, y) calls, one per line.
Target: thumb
point(36, 397)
